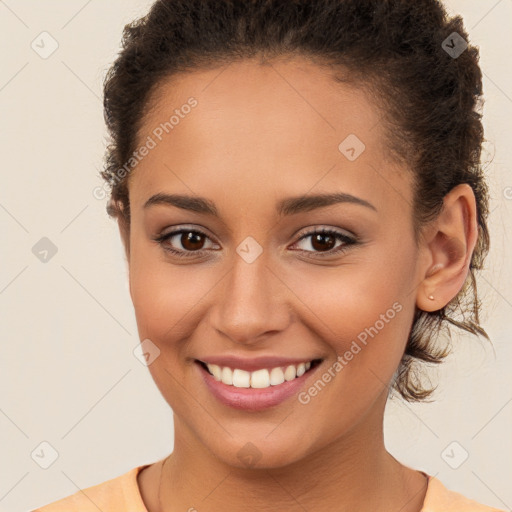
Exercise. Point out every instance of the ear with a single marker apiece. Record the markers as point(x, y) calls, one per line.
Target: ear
point(448, 246)
point(124, 231)
point(115, 209)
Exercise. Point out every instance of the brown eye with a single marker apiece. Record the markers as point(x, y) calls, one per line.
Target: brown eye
point(192, 240)
point(184, 242)
point(323, 242)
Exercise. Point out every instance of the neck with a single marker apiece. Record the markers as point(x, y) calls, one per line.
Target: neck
point(354, 472)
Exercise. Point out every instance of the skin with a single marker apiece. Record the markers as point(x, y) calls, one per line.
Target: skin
point(261, 133)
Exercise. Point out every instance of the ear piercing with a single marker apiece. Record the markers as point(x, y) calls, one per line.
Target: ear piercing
point(433, 270)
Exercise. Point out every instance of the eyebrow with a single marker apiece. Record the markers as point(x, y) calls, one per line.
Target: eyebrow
point(285, 207)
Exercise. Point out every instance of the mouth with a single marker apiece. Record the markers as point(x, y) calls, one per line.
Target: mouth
point(261, 378)
point(263, 384)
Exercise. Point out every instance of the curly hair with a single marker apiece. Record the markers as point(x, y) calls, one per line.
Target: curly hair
point(396, 49)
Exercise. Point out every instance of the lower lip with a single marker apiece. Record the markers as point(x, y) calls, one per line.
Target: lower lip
point(253, 399)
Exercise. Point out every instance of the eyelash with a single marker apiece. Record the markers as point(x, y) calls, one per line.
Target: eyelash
point(348, 241)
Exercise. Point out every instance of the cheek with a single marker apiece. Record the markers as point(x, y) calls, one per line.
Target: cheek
point(165, 296)
point(359, 300)
point(364, 307)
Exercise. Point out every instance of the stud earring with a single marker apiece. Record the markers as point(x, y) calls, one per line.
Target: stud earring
point(431, 297)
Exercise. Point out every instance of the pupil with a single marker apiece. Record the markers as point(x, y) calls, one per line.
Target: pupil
point(321, 237)
point(190, 239)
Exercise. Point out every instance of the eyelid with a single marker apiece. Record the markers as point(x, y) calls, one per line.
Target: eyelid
point(177, 230)
point(325, 229)
point(348, 240)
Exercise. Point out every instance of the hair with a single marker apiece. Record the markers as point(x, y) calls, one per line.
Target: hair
point(391, 48)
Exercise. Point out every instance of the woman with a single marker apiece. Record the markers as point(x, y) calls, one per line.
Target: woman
point(299, 192)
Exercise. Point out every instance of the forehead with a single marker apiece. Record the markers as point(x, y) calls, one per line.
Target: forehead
point(276, 130)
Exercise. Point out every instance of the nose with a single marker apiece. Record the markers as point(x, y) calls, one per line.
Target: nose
point(251, 302)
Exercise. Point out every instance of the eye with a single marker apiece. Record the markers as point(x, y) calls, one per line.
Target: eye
point(323, 242)
point(192, 242)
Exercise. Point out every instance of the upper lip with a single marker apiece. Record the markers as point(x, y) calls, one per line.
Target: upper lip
point(254, 363)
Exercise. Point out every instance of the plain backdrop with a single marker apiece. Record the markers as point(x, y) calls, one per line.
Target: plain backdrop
point(72, 392)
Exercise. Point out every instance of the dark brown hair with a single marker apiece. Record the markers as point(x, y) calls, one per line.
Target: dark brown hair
point(393, 48)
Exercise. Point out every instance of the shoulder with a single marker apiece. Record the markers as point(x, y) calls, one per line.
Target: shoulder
point(115, 495)
point(441, 499)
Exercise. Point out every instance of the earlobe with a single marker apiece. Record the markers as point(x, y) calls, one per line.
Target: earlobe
point(449, 250)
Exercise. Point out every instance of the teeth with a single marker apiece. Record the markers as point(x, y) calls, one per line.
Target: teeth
point(260, 378)
point(241, 379)
point(276, 376)
point(216, 371)
point(227, 376)
point(290, 373)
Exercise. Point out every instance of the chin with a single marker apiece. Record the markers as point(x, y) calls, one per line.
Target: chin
point(257, 452)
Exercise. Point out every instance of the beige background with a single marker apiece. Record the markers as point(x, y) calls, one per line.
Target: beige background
point(68, 375)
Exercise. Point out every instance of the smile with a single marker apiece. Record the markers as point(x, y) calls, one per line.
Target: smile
point(261, 378)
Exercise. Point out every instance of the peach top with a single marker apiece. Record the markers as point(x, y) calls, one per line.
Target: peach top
point(121, 494)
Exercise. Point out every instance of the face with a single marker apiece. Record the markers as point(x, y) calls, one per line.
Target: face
point(270, 277)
